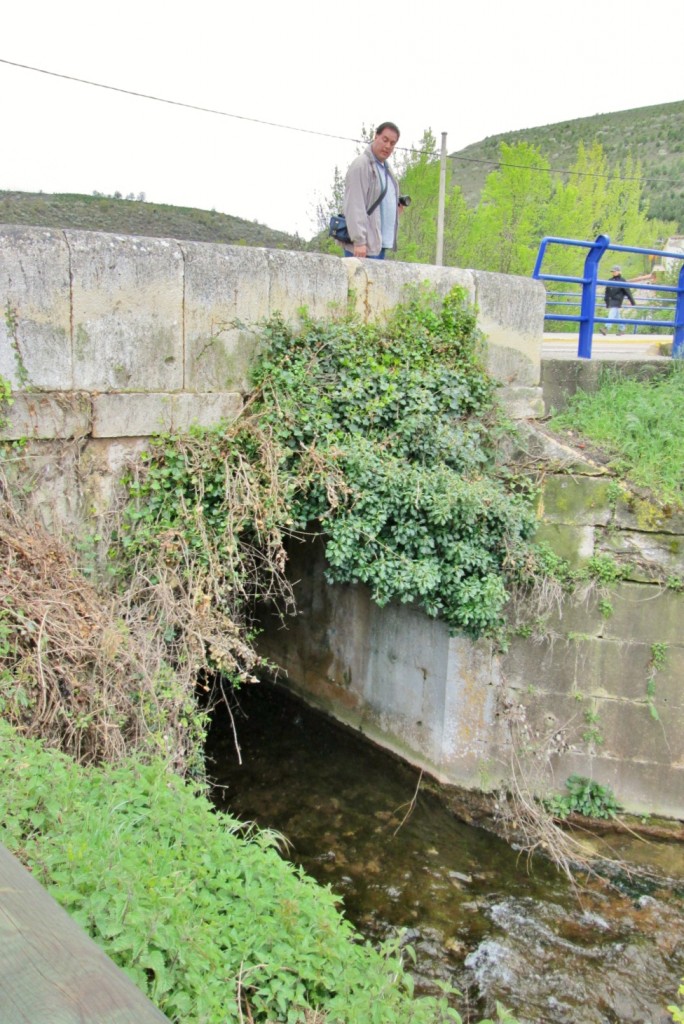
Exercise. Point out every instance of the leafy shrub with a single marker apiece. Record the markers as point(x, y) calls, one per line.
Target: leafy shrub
point(389, 433)
point(585, 797)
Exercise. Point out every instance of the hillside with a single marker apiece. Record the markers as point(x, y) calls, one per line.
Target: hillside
point(132, 217)
point(654, 135)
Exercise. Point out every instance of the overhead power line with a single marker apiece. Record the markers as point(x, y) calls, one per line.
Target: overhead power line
point(174, 103)
point(495, 163)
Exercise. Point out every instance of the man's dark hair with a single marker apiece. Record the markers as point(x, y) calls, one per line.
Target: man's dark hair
point(387, 124)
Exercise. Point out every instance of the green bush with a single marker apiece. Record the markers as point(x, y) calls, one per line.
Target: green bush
point(584, 796)
point(389, 432)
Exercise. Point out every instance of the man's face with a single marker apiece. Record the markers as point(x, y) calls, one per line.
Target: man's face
point(383, 144)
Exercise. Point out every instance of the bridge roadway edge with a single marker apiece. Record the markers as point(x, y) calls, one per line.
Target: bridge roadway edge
point(120, 337)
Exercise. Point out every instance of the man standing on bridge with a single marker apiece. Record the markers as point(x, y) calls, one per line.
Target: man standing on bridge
point(371, 198)
point(614, 295)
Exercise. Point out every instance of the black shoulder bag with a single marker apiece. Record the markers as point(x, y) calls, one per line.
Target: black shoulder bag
point(337, 228)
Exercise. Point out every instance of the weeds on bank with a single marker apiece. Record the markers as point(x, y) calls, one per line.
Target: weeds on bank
point(198, 909)
point(77, 668)
point(584, 796)
point(639, 425)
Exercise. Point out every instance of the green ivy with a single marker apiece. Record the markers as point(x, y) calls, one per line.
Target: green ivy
point(12, 325)
point(5, 400)
point(388, 431)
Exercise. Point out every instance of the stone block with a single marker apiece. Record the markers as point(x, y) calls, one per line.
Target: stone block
point(45, 473)
point(550, 722)
point(573, 543)
point(102, 465)
point(539, 667)
point(511, 314)
point(646, 556)
point(644, 610)
point(575, 500)
point(578, 616)
point(651, 789)
point(141, 415)
point(127, 312)
point(640, 788)
point(376, 286)
point(522, 403)
point(640, 512)
point(35, 286)
point(205, 410)
point(630, 733)
point(226, 295)
point(614, 669)
point(532, 442)
point(311, 280)
point(229, 290)
point(47, 415)
point(561, 378)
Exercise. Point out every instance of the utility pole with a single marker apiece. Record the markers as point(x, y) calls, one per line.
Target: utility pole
point(439, 258)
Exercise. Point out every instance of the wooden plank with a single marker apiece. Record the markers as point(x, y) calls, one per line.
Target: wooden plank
point(51, 972)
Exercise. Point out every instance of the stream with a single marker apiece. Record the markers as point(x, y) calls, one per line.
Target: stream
point(477, 914)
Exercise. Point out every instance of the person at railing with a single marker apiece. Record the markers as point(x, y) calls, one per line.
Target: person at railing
point(614, 295)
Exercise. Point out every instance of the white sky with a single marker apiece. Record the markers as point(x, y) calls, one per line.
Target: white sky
point(469, 69)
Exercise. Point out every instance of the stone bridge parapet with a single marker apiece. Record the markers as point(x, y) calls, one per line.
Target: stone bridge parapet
point(120, 336)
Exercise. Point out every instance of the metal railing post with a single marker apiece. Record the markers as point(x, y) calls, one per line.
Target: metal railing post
point(678, 331)
point(586, 327)
point(540, 258)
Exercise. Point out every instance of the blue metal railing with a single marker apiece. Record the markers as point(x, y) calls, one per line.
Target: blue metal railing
point(590, 281)
point(572, 300)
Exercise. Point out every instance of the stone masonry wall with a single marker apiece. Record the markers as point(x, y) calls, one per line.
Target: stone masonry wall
point(108, 339)
point(602, 679)
point(594, 683)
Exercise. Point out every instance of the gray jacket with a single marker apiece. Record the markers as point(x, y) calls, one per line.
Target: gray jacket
point(362, 186)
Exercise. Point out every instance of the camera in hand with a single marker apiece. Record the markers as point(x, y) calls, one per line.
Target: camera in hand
point(404, 200)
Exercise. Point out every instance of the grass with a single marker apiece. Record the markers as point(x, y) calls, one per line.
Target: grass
point(132, 217)
point(638, 424)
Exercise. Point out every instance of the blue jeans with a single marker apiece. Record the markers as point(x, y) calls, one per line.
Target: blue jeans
point(380, 256)
point(614, 313)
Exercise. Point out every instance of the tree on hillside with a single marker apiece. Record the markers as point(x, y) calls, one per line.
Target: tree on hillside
point(595, 201)
point(509, 220)
point(419, 178)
